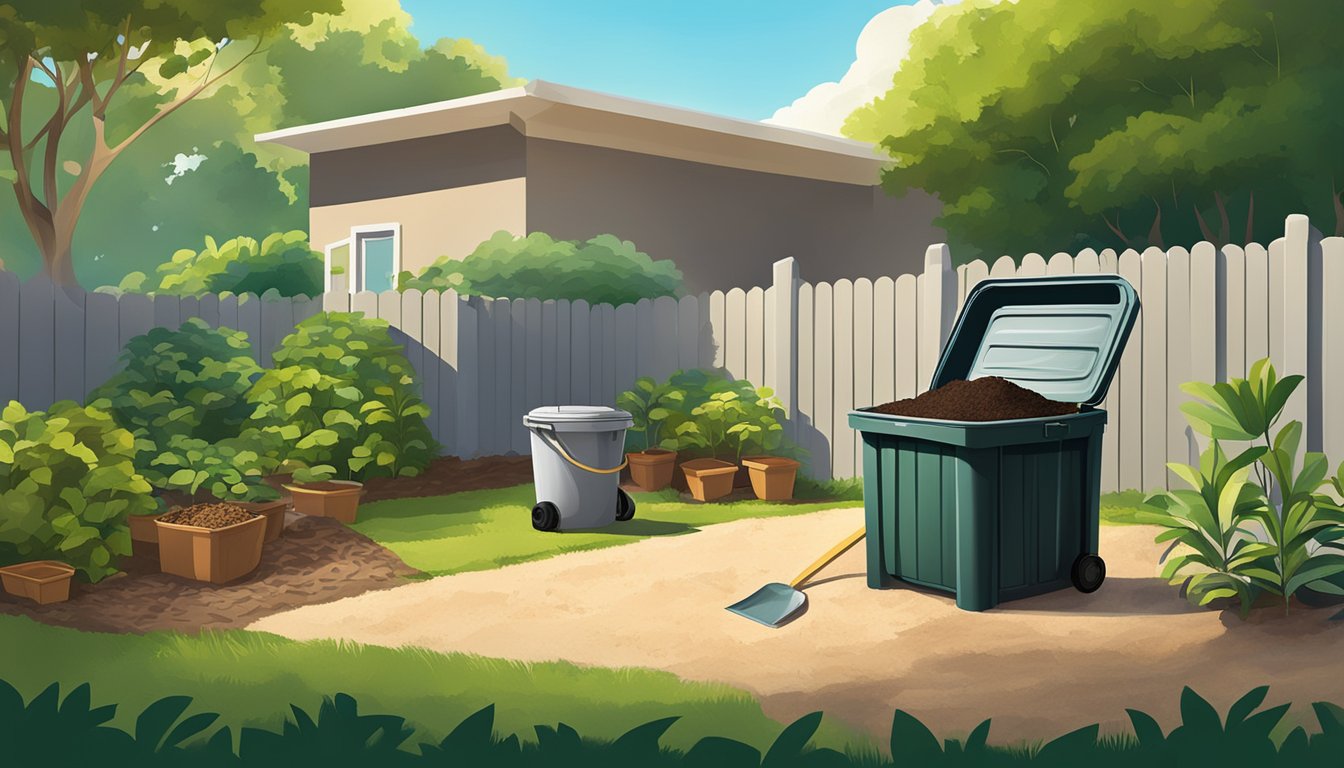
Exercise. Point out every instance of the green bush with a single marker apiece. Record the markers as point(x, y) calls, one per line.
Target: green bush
point(342, 402)
point(49, 730)
point(1240, 538)
point(67, 483)
point(701, 412)
point(233, 469)
point(604, 269)
point(189, 383)
point(282, 261)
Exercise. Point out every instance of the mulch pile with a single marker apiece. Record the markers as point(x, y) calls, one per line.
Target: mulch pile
point(208, 515)
point(987, 399)
point(317, 560)
point(451, 475)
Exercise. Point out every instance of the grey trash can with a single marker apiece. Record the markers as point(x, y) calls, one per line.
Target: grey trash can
point(578, 452)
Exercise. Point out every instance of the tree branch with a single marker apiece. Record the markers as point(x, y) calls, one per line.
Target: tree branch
point(1028, 155)
point(1250, 218)
point(1155, 231)
point(173, 106)
point(122, 74)
point(1115, 227)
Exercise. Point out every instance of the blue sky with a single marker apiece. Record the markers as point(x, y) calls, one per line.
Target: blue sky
point(744, 58)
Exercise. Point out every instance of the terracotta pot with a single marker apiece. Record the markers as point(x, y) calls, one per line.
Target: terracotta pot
point(45, 581)
point(709, 479)
point(216, 555)
point(144, 535)
point(330, 498)
point(772, 476)
point(273, 511)
point(652, 469)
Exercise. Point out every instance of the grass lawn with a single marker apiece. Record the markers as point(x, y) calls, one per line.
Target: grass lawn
point(251, 678)
point(481, 530)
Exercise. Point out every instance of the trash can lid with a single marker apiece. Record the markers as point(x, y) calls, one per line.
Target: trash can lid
point(597, 415)
point(1060, 336)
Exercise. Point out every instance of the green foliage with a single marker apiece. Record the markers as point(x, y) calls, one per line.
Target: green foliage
point(67, 483)
point(721, 416)
point(1049, 125)
point(282, 262)
point(232, 469)
point(342, 401)
point(187, 383)
point(1241, 538)
point(604, 269)
point(47, 730)
point(651, 405)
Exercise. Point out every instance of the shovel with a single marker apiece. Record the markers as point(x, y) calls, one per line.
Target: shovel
point(775, 603)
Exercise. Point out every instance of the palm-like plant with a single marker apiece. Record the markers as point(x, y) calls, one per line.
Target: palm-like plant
point(1295, 546)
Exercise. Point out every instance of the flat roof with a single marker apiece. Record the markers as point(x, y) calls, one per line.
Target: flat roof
point(547, 110)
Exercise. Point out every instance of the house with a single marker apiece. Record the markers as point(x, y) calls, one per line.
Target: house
point(722, 197)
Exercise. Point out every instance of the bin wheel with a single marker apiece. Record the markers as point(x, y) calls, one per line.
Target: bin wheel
point(1088, 573)
point(545, 517)
point(625, 506)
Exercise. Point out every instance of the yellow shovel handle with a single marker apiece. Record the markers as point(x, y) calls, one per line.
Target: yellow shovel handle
point(560, 448)
point(826, 559)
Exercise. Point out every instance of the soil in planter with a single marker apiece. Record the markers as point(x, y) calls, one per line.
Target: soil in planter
point(987, 399)
point(208, 516)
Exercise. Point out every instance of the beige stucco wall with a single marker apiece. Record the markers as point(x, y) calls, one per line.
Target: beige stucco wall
point(723, 226)
point(433, 224)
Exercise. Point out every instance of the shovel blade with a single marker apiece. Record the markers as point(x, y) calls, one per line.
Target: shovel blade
point(771, 605)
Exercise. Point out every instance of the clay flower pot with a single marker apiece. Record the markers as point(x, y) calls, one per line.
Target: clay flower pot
point(652, 468)
point(216, 555)
point(330, 498)
point(709, 479)
point(273, 511)
point(144, 535)
point(45, 581)
point(772, 476)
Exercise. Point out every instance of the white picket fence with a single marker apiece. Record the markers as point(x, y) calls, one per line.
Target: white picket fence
point(825, 348)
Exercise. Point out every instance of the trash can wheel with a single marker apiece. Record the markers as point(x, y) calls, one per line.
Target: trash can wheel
point(1088, 573)
point(625, 506)
point(545, 517)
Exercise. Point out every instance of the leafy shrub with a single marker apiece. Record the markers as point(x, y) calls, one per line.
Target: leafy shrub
point(604, 269)
point(282, 261)
point(67, 483)
point(189, 383)
point(651, 405)
point(342, 401)
point(232, 469)
point(1277, 534)
point(48, 730)
point(707, 413)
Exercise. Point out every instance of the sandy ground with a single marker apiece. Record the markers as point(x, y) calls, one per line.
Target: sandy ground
point(1039, 666)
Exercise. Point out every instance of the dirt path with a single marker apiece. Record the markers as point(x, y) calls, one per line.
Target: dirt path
point(317, 560)
point(1039, 666)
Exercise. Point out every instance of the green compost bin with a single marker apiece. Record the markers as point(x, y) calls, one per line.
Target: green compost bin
point(998, 510)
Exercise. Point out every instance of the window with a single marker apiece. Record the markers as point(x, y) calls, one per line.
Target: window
point(338, 267)
point(375, 252)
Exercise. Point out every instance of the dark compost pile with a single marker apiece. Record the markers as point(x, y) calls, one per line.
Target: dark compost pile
point(987, 399)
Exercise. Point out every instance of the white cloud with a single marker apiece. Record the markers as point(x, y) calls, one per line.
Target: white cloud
point(183, 164)
point(883, 44)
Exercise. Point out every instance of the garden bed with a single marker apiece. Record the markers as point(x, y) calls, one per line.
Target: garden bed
point(316, 561)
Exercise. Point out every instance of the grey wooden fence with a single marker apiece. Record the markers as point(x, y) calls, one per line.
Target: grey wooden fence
point(825, 348)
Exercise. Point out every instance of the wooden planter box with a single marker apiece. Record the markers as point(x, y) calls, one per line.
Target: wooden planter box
point(144, 535)
point(709, 479)
point(44, 581)
point(652, 470)
point(337, 499)
point(216, 555)
point(772, 476)
point(273, 511)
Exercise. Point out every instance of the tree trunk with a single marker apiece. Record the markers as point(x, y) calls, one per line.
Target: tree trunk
point(1155, 231)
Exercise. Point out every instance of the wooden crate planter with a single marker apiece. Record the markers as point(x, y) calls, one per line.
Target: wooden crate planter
point(216, 555)
point(772, 476)
point(652, 469)
point(709, 479)
point(43, 581)
point(273, 511)
point(337, 499)
point(144, 535)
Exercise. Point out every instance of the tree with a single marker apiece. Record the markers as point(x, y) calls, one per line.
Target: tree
point(1052, 124)
point(89, 51)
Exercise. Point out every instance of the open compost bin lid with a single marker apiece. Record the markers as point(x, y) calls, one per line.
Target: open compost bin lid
point(1060, 336)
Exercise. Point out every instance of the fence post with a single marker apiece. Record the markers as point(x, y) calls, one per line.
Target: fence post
point(939, 305)
point(1302, 325)
point(785, 358)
